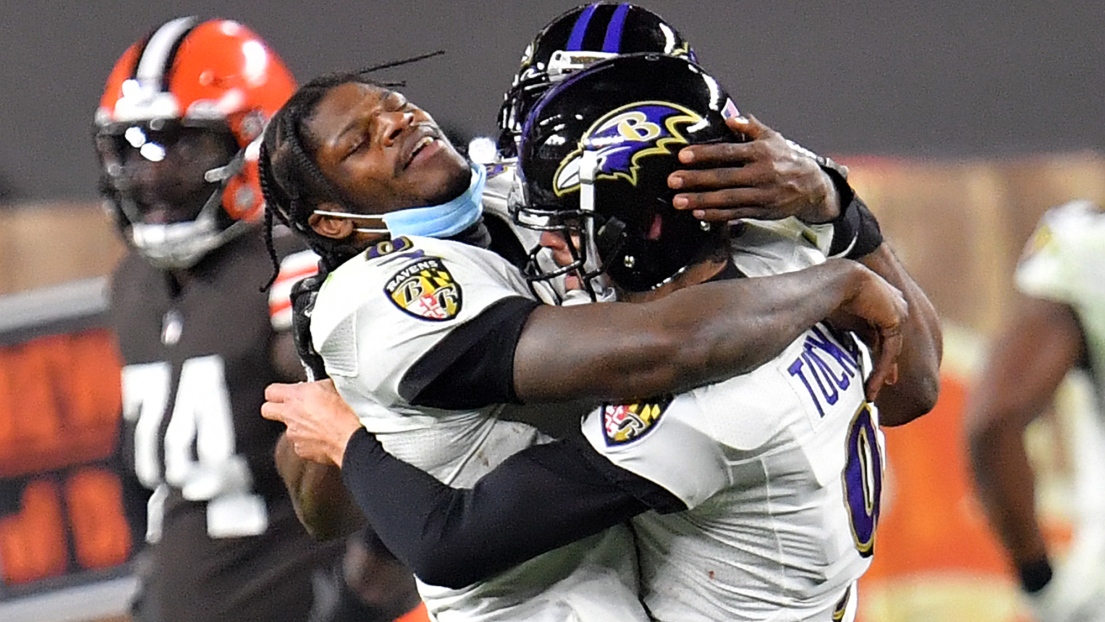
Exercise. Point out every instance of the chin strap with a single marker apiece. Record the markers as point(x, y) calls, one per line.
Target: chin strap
point(223, 173)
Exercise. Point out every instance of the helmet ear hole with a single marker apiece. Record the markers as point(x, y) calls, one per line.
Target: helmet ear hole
point(609, 236)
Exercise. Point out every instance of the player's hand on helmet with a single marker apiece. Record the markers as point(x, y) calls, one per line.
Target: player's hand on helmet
point(1076, 591)
point(875, 310)
point(764, 178)
point(318, 419)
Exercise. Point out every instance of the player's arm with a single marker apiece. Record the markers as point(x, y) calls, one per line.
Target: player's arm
point(856, 235)
point(1029, 359)
point(698, 335)
point(321, 501)
point(918, 382)
point(535, 501)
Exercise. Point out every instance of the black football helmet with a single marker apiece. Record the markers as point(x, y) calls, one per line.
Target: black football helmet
point(594, 159)
point(574, 40)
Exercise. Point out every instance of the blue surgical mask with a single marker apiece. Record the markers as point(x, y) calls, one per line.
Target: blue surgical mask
point(445, 220)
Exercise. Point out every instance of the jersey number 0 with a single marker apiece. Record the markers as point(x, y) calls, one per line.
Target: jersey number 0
point(863, 471)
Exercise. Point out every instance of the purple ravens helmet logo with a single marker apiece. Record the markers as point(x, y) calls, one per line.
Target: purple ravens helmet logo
point(622, 137)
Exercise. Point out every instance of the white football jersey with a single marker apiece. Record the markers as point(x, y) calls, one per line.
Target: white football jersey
point(810, 242)
point(374, 318)
point(781, 470)
point(1063, 262)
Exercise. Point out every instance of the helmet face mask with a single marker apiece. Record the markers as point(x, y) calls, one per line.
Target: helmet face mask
point(574, 41)
point(576, 230)
point(177, 133)
point(159, 170)
point(165, 181)
point(595, 156)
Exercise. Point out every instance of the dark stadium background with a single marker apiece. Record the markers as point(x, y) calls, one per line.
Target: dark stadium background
point(897, 77)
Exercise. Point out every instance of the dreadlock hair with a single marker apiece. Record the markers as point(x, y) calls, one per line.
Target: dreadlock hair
point(291, 181)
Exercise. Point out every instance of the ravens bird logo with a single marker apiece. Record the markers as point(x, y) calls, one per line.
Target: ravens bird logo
point(625, 135)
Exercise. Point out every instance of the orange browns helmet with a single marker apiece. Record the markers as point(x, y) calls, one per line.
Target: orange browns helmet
point(191, 75)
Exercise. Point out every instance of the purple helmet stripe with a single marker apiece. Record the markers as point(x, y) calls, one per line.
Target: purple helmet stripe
point(575, 42)
point(613, 40)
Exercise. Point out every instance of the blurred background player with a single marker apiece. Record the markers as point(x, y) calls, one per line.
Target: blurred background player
point(1058, 326)
point(177, 132)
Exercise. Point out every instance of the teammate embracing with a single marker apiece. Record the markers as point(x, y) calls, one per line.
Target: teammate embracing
point(427, 338)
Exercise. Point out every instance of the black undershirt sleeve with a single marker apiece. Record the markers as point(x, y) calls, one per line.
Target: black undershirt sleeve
point(473, 366)
point(537, 500)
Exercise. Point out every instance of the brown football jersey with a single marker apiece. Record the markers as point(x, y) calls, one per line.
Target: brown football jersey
point(226, 544)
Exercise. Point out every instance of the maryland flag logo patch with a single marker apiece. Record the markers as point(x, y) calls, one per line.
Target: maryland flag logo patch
point(625, 423)
point(426, 290)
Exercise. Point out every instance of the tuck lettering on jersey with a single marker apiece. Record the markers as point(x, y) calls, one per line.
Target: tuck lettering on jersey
point(826, 363)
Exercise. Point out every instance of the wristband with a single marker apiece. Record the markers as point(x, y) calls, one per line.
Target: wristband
point(839, 176)
point(856, 231)
point(1034, 575)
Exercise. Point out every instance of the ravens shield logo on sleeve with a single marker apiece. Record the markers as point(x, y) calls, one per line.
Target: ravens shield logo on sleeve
point(426, 290)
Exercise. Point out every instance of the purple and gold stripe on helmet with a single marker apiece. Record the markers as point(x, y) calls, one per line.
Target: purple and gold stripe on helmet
point(575, 41)
point(613, 40)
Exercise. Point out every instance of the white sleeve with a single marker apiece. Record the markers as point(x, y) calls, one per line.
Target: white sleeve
point(769, 247)
point(376, 317)
point(656, 440)
point(1061, 259)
